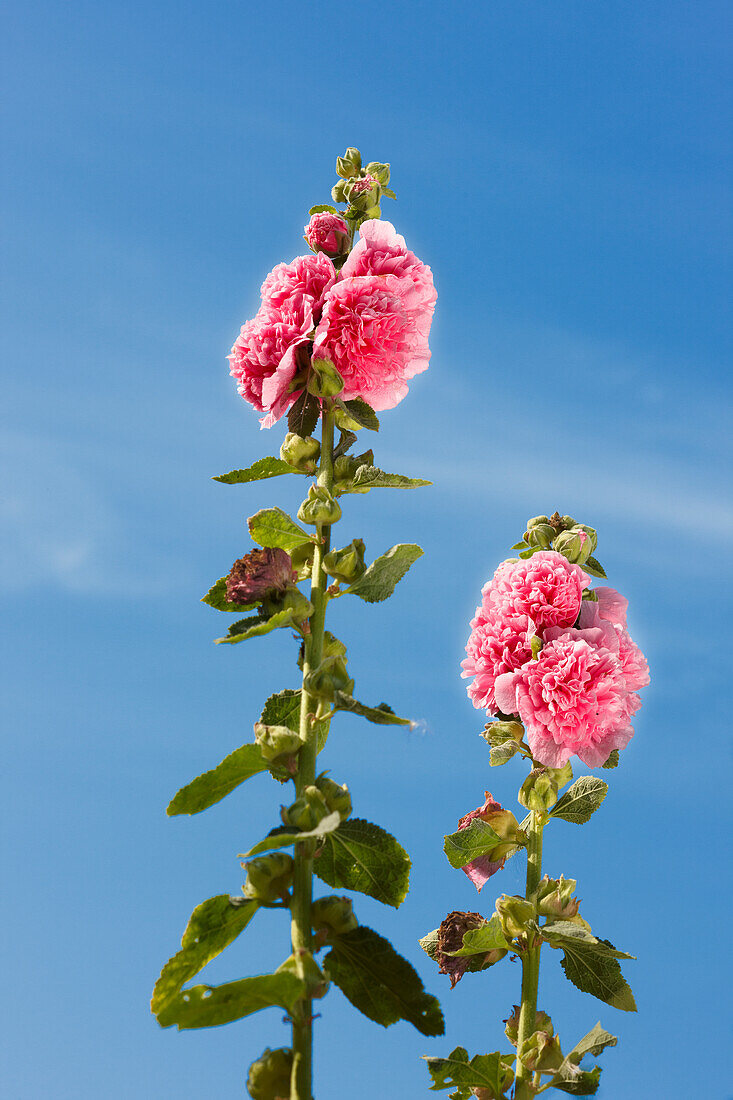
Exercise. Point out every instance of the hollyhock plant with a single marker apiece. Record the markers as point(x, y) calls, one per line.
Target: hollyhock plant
point(327, 347)
point(551, 661)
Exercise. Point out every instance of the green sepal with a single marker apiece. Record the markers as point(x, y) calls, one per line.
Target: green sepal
point(489, 937)
point(457, 1072)
point(216, 597)
point(594, 567)
point(210, 1006)
point(359, 412)
point(381, 577)
point(212, 926)
point(364, 857)
point(283, 838)
point(258, 471)
point(381, 715)
point(371, 477)
point(465, 845)
point(382, 984)
point(580, 800)
point(257, 625)
point(591, 963)
point(273, 527)
point(212, 786)
point(322, 208)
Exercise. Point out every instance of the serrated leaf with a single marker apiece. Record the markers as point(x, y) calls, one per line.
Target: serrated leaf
point(381, 577)
point(258, 471)
point(283, 839)
point(283, 709)
point(210, 1006)
point(381, 715)
point(212, 786)
point(346, 440)
point(364, 857)
point(593, 1043)
point(580, 800)
point(380, 983)
point(612, 761)
point(304, 414)
point(273, 527)
point(258, 625)
point(477, 941)
point(217, 597)
point(591, 964)
point(363, 414)
point(371, 477)
point(455, 1071)
point(576, 934)
point(321, 208)
point(594, 567)
point(213, 925)
point(465, 845)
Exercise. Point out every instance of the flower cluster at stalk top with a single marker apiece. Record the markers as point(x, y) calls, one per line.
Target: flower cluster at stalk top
point(366, 310)
point(553, 651)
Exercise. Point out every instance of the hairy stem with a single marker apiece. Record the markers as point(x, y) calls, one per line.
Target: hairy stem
point(524, 1089)
point(301, 1087)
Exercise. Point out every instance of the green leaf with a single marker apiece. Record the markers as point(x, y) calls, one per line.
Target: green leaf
point(520, 545)
point(591, 964)
point(257, 625)
point(382, 715)
point(212, 786)
point(322, 208)
point(363, 414)
point(371, 477)
point(480, 940)
point(593, 1043)
point(209, 1006)
point(213, 925)
point(502, 753)
point(580, 800)
point(273, 527)
point(594, 567)
point(429, 944)
point(477, 839)
point(380, 983)
point(262, 468)
point(379, 581)
point(364, 857)
point(283, 839)
point(455, 1071)
point(576, 1081)
point(304, 414)
point(283, 709)
point(217, 597)
point(612, 761)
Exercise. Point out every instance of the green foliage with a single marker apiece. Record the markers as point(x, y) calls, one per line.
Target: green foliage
point(360, 412)
point(380, 983)
point(489, 937)
point(217, 597)
point(213, 925)
point(576, 1081)
point(273, 527)
point(364, 857)
point(371, 477)
point(210, 1006)
point(593, 1043)
point(303, 415)
point(591, 964)
point(594, 567)
point(477, 839)
point(322, 208)
point(212, 786)
point(612, 761)
point(381, 577)
point(283, 709)
point(581, 800)
point(257, 625)
point(262, 468)
point(381, 715)
point(283, 838)
point(455, 1071)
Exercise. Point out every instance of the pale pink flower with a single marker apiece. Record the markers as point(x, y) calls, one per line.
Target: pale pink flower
point(328, 233)
point(612, 605)
point(633, 661)
point(546, 588)
point(498, 643)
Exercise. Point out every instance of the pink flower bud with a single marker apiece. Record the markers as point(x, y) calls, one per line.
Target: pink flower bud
point(328, 233)
point(361, 186)
point(260, 575)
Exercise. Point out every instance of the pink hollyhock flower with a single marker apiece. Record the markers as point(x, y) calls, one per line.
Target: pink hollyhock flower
point(612, 605)
point(498, 643)
point(299, 286)
point(633, 662)
point(546, 588)
point(573, 699)
point(327, 233)
point(503, 822)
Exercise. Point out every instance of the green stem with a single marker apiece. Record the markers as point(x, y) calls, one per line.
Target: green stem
point(301, 1086)
point(524, 1089)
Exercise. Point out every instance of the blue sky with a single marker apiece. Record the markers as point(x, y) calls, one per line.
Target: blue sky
point(565, 169)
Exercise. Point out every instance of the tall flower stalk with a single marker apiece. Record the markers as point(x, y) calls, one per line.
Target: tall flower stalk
point(550, 660)
point(338, 334)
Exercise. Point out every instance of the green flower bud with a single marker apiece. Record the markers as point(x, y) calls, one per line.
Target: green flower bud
point(302, 560)
point(338, 191)
point(496, 733)
point(337, 797)
point(332, 647)
point(330, 676)
point(269, 1076)
point(540, 532)
point(345, 467)
point(514, 913)
point(306, 812)
point(293, 600)
point(540, 1052)
point(269, 878)
point(305, 967)
point(539, 790)
point(348, 564)
point(320, 507)
point(333, 915)
point(566, 522)
point(324, 380)
point(542, 1022)
point(575, 545)
point(300, 452)
point(591, 533)
point(278, 744)
point(555, 898)
point(379, 171)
